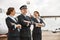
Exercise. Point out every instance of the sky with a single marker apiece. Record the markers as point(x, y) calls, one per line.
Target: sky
point(45, 7)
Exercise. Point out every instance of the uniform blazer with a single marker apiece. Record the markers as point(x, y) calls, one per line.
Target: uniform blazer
point(37, 29)
point(25, 31)
point(12, 31)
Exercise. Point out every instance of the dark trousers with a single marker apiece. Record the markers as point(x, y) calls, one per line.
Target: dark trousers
point(37, 36)
point(25, 38)
point(13, 38)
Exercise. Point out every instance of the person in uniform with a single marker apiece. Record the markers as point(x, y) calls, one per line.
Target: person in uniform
point(24, 20)
point(13, 26)
point(36, 34)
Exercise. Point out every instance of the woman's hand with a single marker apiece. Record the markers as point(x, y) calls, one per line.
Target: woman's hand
point(18, 26)
point(39, 25)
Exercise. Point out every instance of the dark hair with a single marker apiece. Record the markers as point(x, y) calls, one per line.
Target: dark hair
point(10, 9)
point(37, 13)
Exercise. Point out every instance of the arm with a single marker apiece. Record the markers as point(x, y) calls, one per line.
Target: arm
point(42, 22)
point(10, 26)
point(21, 21)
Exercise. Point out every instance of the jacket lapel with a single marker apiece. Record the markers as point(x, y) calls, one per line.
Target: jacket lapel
point(12, 20)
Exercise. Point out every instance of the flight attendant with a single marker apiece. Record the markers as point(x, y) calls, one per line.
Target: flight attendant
point(37, 34)
point(13, 26)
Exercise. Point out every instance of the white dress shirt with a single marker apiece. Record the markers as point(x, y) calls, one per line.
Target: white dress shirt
point(38, 19)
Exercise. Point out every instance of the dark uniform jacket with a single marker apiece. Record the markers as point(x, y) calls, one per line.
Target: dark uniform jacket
point(12, 31)
point(25, 31)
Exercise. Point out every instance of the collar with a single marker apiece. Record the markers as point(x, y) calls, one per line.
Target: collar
point(12, 17)
point(24, 15)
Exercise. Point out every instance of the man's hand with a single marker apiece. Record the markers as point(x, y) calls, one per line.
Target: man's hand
point(27, 21)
